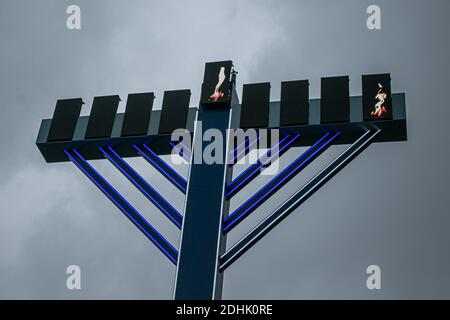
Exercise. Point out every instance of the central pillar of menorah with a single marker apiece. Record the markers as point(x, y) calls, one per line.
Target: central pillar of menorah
point(202, 241)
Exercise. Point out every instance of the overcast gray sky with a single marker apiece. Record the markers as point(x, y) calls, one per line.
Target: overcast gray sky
point(388, 207)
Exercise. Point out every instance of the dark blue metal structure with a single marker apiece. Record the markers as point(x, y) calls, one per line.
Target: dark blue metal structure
point(202, 257)
point(198, 275)
point(150, 232)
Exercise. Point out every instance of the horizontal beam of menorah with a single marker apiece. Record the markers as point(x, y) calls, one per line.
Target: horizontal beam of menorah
point(392, 130)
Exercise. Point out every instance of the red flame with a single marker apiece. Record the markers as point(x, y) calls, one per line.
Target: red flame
point(379, 112)
point(216, 96)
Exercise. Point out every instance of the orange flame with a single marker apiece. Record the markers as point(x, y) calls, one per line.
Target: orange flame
point(216, 96)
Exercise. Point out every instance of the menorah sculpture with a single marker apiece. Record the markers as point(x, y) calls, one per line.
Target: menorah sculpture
point(334, 119)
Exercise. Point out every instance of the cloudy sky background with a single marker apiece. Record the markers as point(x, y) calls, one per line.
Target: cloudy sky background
point(388, 207)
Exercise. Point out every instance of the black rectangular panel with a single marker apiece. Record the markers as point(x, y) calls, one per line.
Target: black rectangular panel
point(255, 105)
point(335, 100)
point(102, 117)
point(216, 84)
point(64, 120)
point(137, 114)
point(174, 110)
point(377, 99)
point(294, 104)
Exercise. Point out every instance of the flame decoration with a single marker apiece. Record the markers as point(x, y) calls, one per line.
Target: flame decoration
point(217, 95)
point(380, 108)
